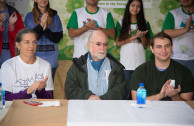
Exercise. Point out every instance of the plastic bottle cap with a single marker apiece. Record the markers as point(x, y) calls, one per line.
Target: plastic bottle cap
point(141, 84)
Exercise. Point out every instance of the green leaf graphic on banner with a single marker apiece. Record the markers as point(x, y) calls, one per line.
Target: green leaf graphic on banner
point(115, 52)
point(71, 5)
point(160, 22)
point(65, 21)
point(168, 5)
point(66, 53)
point(111, 42)
point(63, 42)
point(119, 11)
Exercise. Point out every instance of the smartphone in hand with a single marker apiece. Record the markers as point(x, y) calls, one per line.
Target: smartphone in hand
point(32, 102)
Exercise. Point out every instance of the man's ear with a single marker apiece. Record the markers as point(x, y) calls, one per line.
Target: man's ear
point(151, 48)
point(88, 45)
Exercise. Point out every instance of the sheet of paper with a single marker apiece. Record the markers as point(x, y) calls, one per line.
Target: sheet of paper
point(122, 113)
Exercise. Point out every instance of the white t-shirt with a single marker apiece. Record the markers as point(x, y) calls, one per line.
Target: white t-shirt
point(102, 18)
point(16, 75)
point(132, 54)
point(183, 46)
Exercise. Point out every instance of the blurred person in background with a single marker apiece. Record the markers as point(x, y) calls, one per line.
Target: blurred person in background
point(179, 25)
point(133, 34)
point(85, 20)
point(10, 24)
point(47, 24)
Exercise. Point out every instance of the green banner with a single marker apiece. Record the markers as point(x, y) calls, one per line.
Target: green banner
point(155, 12)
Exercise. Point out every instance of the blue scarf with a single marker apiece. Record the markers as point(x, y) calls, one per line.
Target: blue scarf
point(96, 65)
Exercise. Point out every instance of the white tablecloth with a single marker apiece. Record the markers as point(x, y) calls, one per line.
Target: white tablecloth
point(123, 113)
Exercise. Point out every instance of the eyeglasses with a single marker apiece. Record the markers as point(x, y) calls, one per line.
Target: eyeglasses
point(98, 44)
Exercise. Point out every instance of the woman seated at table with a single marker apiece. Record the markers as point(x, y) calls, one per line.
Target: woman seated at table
point(26, 76)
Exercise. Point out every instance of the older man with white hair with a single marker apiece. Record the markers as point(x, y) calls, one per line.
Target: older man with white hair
point(96, 75)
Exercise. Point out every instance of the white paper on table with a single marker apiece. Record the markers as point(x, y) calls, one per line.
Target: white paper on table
point(50, 103)
point(121, 113)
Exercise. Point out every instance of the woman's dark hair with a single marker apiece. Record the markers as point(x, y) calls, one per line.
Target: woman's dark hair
point(20, 34)
point(126, 22)
point(160, 35)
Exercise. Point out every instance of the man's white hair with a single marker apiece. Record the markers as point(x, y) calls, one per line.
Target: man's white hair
point(93, 34)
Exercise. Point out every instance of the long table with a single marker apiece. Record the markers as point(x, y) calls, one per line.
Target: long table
point(103, 113)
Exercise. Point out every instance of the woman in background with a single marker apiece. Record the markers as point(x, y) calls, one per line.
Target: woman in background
point(47, 25)
point(26, 76)
point(10, 24)
point(133, 33)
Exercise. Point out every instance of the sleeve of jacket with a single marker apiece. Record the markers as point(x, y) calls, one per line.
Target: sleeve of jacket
point(74, 88)
point(56, 33)
point(18, 26)
point(12, 34)
point(117, 86)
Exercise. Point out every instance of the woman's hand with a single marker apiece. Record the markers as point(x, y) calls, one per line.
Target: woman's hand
point(3, 17)
point(38, 85)
point(12, 20)
point(140, 34)
point(42, 84)
point(43, 22)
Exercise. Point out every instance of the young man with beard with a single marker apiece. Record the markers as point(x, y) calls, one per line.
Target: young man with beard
point(96, 75)
point(158, 74)
point(86, 19)
point(179, 25)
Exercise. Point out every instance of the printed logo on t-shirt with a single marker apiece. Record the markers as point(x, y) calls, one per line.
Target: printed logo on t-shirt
point(28, 81)
point(184, 22)
point(93, 20)
point(133, 32)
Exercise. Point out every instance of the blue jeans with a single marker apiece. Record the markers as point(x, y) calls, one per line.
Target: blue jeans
point(53, 73)
point(188, 63)
point(128, 74)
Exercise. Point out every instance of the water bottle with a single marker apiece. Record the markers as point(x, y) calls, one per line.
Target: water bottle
point(2, 97)
point(141, 94)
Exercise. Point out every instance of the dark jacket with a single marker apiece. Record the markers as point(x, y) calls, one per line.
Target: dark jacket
point(76, 85)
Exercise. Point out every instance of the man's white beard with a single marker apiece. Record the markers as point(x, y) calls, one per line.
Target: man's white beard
point(98, 55)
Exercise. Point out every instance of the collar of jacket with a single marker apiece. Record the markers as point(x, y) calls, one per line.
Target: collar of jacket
point(81, 62)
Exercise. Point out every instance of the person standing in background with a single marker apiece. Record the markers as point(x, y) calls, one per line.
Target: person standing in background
point(179, 25)
point(84, 20)
point(47, 25)
point(133, 33)
point(10, 24)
